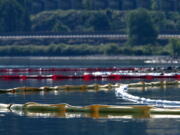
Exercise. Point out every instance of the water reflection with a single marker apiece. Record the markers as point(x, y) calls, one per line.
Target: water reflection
point(162, 127)
point(74, 124)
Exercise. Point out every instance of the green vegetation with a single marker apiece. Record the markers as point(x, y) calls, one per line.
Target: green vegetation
point(110, 20)
point(174, 47)
point(84, 49)
point(84, 15)
point(142, 20)
point(141, 29)
point(35, 6)
point(13, 17)
point(76, 21)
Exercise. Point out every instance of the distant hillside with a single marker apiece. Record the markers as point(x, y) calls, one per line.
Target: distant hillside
point(98, 21)
point(142, 20)
point(83, 15)
point(35, 6)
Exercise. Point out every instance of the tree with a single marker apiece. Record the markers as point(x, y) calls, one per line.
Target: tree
point(154, 5)
point(144, 4)
point(13, 17)
point(87, 4)
point(128, 4)
point(59, 27)
point(178, 25)
point(174, 47)
point(141, 30)
point(100, 22)
point(167, 5)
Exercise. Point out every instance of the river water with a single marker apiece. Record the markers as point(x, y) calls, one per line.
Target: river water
point(11, 123)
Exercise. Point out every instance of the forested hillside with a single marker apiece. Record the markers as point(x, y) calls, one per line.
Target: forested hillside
point(35, 6)
point(83, 15)
point(142, 20)
point(98, 20)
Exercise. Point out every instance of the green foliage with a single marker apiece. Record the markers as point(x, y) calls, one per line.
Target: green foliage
point(87, 4)
point(159, 20)
point(35, 6)
point(154, 5)
point(74, 21)
point(144, 4)
point(92, 21)
point(109, 49)
point(141, 29)
point(128, 5)
point(178, 25)
point(174, 47)
point(84, 49)
point(102, 15)
point(13, 17)
point(100, 20)
point(167, 5)
point(59, 27)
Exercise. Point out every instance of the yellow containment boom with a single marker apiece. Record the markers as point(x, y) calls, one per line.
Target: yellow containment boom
point(87, 88)
point(94, 111)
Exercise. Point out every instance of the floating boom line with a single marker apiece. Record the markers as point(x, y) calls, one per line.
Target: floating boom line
point(100, 69)
point(151, 109)
point(94, 111)
point(87, 88)
point(90, 77)
point(28, 70)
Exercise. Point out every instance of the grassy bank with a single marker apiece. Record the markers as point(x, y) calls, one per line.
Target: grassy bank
point(110, 49)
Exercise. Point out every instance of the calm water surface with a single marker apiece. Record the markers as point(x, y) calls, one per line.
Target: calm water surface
point(11, 123)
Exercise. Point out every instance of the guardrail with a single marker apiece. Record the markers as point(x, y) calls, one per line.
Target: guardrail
point(82, 36)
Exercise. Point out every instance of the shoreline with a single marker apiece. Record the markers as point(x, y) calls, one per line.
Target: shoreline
point(101, 57)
